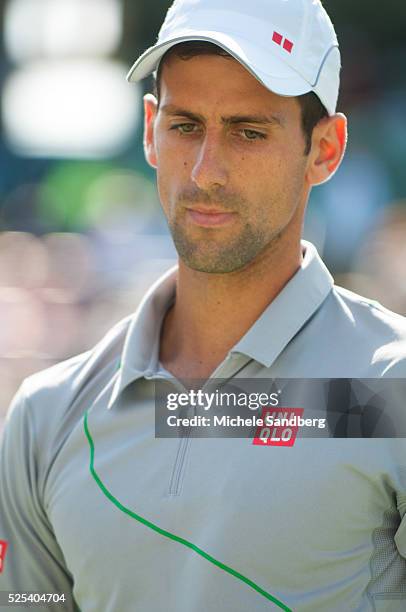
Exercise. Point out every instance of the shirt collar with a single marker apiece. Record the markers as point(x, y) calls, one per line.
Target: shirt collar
point(141, 346)
point(289, 311)
point(264, 341)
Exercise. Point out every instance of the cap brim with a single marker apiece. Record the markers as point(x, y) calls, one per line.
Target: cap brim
point(278, 77)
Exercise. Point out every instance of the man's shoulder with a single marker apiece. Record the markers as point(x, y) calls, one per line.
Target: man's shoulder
point(55, 389)
point(370, 327)
point(51, 403)
point(366, 311)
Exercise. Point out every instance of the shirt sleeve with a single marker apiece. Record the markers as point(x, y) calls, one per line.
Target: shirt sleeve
point(30, 557)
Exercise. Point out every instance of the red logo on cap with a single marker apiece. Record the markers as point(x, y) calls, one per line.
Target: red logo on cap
point(278, 38)
point(287, 44)
point(3, 548)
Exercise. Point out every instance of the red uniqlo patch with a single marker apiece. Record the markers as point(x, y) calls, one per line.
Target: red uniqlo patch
point(288, 45)
point(3, 548)
point(277, 38)
point(280, 427)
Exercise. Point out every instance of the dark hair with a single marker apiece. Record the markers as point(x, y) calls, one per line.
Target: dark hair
point(312, 109)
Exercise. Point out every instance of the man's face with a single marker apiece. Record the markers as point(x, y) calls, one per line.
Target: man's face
point(230, 162)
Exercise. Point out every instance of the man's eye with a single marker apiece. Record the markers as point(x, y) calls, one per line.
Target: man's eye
point(185, 128)
point(253, 135)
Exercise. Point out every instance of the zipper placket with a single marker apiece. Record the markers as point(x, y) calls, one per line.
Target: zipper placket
point(178, 468)
point(175, 483)
point(184, 444)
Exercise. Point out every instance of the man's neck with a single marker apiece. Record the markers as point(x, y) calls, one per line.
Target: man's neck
point(212, 312)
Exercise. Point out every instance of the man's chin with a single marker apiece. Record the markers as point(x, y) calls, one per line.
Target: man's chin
point(215, 257)
point(221, 264)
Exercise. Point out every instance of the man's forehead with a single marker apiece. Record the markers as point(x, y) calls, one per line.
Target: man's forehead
point(210, 78)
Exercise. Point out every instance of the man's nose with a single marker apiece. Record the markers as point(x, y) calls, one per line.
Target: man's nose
point(209, 170)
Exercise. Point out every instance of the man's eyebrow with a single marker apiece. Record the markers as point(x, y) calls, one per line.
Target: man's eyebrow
point(260, 119)
point(176, 111)
point(170, 109)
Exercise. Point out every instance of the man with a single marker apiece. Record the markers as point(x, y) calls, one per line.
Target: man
point(96, 508)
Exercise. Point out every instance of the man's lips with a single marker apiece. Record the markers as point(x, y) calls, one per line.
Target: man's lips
point(209, 217)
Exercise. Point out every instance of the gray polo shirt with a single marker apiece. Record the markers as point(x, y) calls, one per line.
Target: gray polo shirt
point(91, 503)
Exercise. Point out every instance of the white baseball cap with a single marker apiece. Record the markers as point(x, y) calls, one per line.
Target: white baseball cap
point(290, 46)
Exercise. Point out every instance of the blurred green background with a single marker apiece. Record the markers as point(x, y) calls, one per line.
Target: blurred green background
point(81, 231)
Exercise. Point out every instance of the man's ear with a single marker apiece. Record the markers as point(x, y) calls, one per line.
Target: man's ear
point(150, 111)
point(329, 142)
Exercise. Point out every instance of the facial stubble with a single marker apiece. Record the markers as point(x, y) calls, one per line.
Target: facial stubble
point(218, 250)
